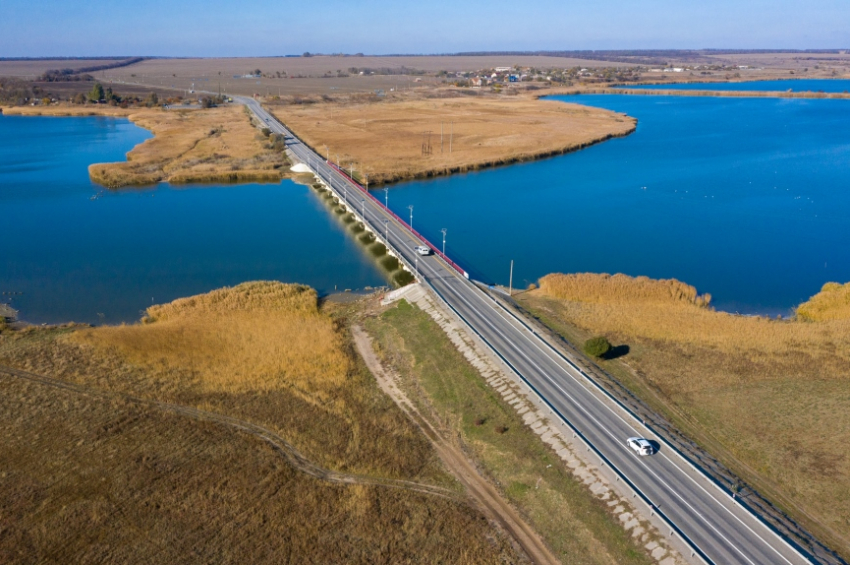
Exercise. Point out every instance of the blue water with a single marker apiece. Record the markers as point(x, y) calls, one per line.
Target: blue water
point(797, 85)
point(747, 199)
point(74, 258)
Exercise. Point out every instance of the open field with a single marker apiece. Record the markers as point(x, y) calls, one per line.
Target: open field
point(768, 397)
point(167, 441)
point(661, 91)
point(211, 145)
point(33, 68)
point(451, 394)
point(384, 138)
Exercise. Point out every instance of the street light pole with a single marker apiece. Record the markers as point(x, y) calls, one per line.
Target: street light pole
point(511, 280)
point(387, 232)
point(444, 230)
point(416, 266)
point(411, 216)
point(363, 208)
point(386, 197)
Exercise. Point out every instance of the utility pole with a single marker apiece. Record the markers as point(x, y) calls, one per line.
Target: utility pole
point(444, 230)
point(511, 280)
point(411, 216)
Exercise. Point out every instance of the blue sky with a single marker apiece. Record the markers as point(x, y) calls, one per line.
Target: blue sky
point(265, 27)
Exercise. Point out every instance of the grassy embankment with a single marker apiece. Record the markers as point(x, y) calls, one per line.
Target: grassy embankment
point(102, 477)
point(574, 523)
point(210, 145)
point(384, 138)
point(770, 398)
point(377, 250)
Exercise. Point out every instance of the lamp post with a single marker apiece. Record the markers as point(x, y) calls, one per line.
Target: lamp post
point(328, 154)
point(444, 230)
point(387, 232)
point(416, 266)
point(386, 198)
point(363, 208)
point(411, 216)
point(345, 193)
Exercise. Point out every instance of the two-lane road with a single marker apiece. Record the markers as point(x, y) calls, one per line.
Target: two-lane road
point(708, 519)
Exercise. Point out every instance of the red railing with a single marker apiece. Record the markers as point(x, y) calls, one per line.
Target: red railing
point(422, 238)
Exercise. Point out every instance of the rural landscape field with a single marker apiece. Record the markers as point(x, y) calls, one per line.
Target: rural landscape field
point(463, 283)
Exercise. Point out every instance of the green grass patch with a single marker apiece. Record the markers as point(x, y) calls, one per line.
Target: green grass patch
point(576, 525)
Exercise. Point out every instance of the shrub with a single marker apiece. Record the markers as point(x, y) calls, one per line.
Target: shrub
point(358, 227)
point(389, 262)
point(378, 250)
point(402, 278)
point(367, 238)
point(339, 210)
point(348, 219)
point(480, 421)
point(597, 346)
point(501, 429)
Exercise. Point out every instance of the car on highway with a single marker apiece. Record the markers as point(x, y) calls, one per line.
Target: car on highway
point(640, 445)
point(422, 250)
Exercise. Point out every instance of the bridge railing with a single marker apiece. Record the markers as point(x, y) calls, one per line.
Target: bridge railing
point(395, 216)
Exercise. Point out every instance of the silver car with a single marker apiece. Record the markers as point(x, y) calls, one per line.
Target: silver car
point(640, 445)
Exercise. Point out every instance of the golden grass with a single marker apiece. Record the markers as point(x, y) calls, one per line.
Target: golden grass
point(106, 479)
point(257, 336)
point(384, 139)
point(769, 397)
point(212, 145)
point(831, 303)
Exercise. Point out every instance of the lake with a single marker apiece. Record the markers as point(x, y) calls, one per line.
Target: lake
point(796, 85)
point(746, 198)
point(78, 252)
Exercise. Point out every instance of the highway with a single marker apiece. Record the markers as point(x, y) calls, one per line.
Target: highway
point(707, 519)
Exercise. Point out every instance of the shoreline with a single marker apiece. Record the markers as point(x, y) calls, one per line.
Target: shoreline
point(186, 147)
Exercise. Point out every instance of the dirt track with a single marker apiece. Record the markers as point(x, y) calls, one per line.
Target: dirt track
point(486, 497)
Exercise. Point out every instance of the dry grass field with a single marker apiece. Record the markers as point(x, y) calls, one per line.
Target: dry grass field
point(33, 68)
point(211, 145)
point(95, 468)
point(384, 139)
point(770, 398)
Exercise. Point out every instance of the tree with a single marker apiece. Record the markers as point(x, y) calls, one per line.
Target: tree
point(257, 72)
point(151, 100)
point(96, 94)
point(597, 346)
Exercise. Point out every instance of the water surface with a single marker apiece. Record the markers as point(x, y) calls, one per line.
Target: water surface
point(80, 253)
point(747, 199)
point(795, 85)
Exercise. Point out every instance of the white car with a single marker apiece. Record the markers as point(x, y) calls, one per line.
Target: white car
point(422, 250)
point(640, 445)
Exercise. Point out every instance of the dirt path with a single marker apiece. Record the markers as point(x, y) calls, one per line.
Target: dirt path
point(488, 499)
point(283, 447)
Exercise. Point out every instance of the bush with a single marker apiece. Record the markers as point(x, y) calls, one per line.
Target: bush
point(348, 219)
point(597, 346)
point(367, 238)
point(358, 227)
point(402, 278)
point(389, 262)
point(378, 250)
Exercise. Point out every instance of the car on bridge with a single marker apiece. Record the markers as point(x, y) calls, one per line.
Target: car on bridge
point(640, 445)
point(422, 250)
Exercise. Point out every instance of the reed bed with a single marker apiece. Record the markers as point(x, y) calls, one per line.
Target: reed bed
point(189, 146)
point(385, 138)
point(769, 397)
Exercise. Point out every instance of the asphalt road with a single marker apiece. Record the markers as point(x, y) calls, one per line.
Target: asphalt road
point(708, 519)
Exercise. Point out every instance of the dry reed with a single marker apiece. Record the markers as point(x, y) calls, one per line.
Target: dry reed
point(385, 139)
point(702, 368)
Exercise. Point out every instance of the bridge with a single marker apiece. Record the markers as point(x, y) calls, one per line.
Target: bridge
point(704, 520)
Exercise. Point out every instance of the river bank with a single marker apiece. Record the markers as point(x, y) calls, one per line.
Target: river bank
point(699, 367)
point(215, 145)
